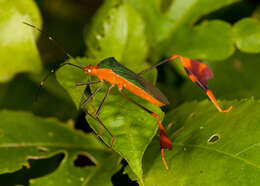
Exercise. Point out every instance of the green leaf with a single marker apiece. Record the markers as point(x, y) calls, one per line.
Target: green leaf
point(117, 31)
point(211, 149)
point(132, 127)
point(17, 42)
point(234, 78)
point(247, 35)
point(157, 24)
point(35, 138)
point(187, 12)
point(165, 26)
point(203, 41)
point(99, 175)
point(52, 100)
point(68, 76)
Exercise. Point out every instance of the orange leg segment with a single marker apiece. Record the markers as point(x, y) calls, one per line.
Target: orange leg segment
point(214, 101)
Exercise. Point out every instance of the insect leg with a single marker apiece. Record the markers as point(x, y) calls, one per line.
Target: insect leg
point(198, 72)
point(82, 106)
point(87, 83)
point(96, 116)
point(102, 124)
point(104, 99)
point(165, 141)
point(100, 107)
point(54, 42)
point(47, 76)
point(156, 65)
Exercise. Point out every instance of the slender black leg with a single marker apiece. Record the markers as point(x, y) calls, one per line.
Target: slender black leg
point(96, 117)
point(113, 138)
point(47, 76)
point(91, 96)
point(87, 83)
point(154, 66)
point(101, 106)
point(102, 125)
point(103, 101)
point(165, 141)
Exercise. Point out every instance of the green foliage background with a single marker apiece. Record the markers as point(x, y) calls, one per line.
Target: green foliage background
point(50, 142)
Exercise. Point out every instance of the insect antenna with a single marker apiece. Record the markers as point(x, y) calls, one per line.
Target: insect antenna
point(47, 76)
point(55, 43)
point(80, 65)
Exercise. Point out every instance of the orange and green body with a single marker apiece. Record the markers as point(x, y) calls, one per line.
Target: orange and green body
point(116, 74)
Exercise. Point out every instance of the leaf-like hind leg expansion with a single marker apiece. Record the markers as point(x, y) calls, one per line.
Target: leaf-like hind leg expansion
point(165, 141)
point(199, 73)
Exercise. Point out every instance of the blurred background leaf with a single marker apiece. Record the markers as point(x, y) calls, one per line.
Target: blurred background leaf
point(117, 30)
point(51, 137)
point(163, 23)
point(247, 35)
point(18, 51)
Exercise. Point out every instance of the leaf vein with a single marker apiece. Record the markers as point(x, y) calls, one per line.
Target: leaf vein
point(221, 152)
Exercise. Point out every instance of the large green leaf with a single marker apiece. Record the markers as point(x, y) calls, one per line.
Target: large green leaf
point(157, 24)
point(132, 127)
point(185, 13)
point(247, 35)
point(203, 41)
point(17, 41)
point(173, 26)
point(24, 136)
point(209, 148)
point(117, 31)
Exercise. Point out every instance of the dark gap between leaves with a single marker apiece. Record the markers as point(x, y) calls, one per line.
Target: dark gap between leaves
point(37, 168)
point(233, 12)
point(82, 124)
point(119, 179)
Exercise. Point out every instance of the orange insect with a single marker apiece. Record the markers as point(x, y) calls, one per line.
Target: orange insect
point(111, 71)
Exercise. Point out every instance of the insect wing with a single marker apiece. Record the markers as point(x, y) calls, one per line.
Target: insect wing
point(134, 78)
